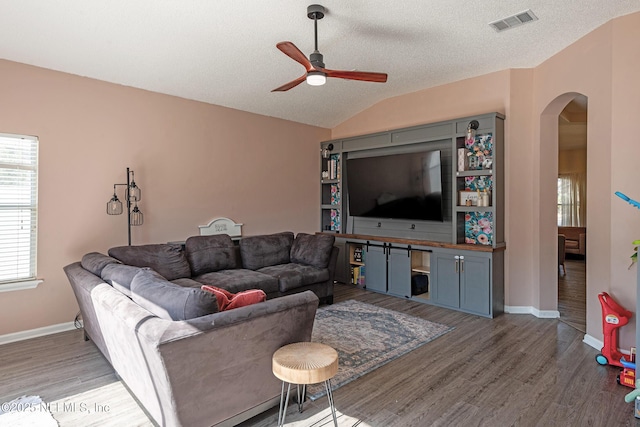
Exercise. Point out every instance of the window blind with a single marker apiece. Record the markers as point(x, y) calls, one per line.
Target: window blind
point(18, 207)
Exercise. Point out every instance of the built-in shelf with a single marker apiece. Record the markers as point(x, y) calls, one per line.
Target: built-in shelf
point(421, 269)
point(474, 209)
point(476, 172)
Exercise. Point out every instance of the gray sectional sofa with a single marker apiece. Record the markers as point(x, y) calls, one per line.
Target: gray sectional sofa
point(185, 362)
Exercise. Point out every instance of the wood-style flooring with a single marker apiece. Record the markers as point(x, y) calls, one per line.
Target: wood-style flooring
point(514, 370)
point(572, 294)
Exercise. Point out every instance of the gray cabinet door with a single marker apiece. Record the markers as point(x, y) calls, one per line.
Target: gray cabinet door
point(400, 272)
point(376, 268)
point(446, 279)
point(475, 280)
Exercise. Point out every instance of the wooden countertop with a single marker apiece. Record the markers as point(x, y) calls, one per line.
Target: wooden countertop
point(402, 241)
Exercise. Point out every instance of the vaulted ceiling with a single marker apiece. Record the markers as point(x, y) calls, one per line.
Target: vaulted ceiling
point(223, 52)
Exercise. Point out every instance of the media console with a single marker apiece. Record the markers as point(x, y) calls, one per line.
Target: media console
point(463, 277)
point(457, 262)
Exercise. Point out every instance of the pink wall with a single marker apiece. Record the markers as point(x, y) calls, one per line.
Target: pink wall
point(603, 66)
point(193, 161)
point(625, 152)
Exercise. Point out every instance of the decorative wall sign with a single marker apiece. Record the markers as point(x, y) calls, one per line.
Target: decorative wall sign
point(221, 226)
point(468, 198)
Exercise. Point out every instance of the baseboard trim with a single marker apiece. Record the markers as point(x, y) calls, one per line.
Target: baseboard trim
point(38, 332)
point(542, 314)
point(593, 342)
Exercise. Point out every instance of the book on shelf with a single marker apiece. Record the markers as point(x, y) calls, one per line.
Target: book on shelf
point(334, 166)
point(357, 275)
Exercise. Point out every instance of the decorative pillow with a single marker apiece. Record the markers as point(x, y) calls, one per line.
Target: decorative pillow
point(95, 262)
point(207, 254)
point(170, 301)
point(168, 260)
point(266, 250)
point(312, 249)
point(120, 276)
point(228, 301)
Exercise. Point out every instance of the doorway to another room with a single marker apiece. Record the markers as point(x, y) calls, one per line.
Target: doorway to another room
point(572, 212)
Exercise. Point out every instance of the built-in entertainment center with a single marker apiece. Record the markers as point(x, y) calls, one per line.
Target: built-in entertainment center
point(419, 212)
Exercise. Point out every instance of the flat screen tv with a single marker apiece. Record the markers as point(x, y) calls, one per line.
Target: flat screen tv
point(397, 186)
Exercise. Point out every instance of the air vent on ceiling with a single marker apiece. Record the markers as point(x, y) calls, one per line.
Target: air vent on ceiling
point(514, 21)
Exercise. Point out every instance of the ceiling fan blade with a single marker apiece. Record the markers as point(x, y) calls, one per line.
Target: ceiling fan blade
point(294, 53)
point(356, 75)
point(291, 84)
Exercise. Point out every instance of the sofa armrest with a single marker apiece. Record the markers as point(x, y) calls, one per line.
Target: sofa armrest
point(582, 244)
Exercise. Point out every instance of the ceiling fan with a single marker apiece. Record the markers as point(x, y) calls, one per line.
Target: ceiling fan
point(317, 74)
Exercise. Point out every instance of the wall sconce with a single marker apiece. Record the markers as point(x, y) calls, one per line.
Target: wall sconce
point(132, 195)
point(326, 151)
point(471, 129)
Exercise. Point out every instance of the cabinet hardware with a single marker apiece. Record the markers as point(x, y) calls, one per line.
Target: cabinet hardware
point(379, 224)
point(413, 226)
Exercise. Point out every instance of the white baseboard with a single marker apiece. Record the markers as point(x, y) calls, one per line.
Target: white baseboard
point(542, 314)
point(593, 342)
point(38, 332)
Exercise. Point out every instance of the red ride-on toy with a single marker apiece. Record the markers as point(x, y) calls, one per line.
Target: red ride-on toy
point(614, 316)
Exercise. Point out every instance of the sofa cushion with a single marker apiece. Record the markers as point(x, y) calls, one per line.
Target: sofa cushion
point(312, 249)
point(168, 260)
point(228, 301)
point(239, 280)
point(291, 276)
point(210, 253)
point(187, 283)
point(95, 262)
point(170, 301)
point(265, 250)
point(120, 276)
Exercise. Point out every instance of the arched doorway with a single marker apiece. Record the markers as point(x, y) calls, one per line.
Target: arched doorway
point(572, 213)
point(546, 197)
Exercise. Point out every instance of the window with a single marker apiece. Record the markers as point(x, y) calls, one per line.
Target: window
point(571, 200)
point(18, 207)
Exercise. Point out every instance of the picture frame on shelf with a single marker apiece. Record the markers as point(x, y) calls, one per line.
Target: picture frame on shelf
point(468, 198)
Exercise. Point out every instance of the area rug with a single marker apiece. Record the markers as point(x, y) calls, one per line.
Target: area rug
point(26, 411)
point(367, 337)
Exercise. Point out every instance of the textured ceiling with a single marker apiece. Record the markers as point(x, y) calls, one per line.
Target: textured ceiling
point(223, 52)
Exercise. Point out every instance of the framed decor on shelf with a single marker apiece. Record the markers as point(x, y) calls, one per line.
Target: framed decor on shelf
point(468, 198)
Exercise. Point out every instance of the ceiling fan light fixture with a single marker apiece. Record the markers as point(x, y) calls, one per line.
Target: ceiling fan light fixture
point(316, 78)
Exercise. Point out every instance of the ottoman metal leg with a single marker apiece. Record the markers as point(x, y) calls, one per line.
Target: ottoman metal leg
point(283, 411)
point(327, 385)
point(303, 397)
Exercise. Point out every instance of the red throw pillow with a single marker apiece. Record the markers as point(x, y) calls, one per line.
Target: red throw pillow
point(227, 300)
point(223, 297)
point(252, 296)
